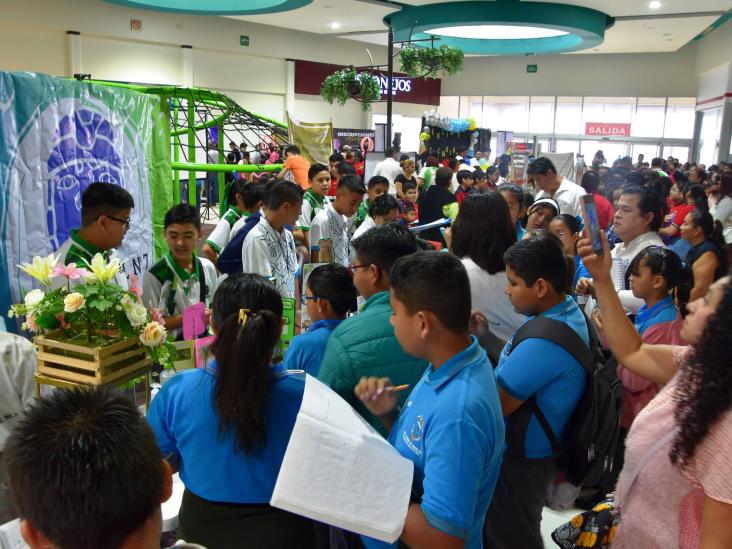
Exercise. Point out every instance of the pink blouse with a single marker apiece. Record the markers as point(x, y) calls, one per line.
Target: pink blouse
point(663, 507)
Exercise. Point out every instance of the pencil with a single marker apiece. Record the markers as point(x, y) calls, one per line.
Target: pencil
point(398, 388)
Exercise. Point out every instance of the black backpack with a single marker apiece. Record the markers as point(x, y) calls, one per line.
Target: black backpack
point(594, 428)
point(229, 260)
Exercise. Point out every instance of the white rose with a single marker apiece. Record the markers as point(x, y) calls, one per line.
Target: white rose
point(33, 298)
point(125, 302)
point(137, 315)
point(73, 302)
point(153, 335)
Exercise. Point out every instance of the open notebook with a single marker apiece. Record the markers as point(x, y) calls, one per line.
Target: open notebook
point(338, 470)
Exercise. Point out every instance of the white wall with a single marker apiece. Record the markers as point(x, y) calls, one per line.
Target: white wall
point(621, 75)
point(714, 49)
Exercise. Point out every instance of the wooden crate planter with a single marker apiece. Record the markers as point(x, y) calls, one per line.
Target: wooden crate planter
point(89, 365)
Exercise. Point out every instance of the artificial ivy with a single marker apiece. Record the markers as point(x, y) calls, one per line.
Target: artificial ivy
point(348, 84)
point(428, 62)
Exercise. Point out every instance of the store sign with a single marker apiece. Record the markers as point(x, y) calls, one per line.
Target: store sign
point(354, 138)
point(607, 129)
point(309, 76)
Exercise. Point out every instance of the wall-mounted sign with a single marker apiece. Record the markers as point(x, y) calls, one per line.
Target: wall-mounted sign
point(532, 68)
point(309, 76)
point(244, 40)
point(354, 138)
point(607, 129)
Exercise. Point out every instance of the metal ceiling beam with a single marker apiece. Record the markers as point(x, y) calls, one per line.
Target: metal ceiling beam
point(670, 15)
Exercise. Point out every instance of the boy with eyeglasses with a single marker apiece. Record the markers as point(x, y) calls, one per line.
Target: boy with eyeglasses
point(105, 218)
point(329, 293)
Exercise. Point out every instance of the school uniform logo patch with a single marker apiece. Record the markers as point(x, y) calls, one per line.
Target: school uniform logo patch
point(414, 436)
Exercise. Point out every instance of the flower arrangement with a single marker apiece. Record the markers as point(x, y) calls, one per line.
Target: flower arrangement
point(95, 312)
point(347, 83)
point(427, 62)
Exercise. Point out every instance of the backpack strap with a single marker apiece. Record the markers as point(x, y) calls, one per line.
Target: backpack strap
point(557, 332)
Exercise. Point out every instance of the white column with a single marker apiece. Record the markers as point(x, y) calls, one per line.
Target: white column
point(73, 59)
point(187, 60)
point(290, 86)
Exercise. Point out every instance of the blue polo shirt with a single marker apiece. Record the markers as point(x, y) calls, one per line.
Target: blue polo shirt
point(545, 369)
point(663, 311)
point(186, 424)
point(452, 429)
point(306, 350)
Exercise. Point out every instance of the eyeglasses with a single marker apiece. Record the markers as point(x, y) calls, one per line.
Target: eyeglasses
point(310, 297)
point(353, 268)
point(125, 222)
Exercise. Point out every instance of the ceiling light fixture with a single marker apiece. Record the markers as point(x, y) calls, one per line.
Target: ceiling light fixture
point(215, 7)
point(335, 25)
point(655, 4)
point(501, 27)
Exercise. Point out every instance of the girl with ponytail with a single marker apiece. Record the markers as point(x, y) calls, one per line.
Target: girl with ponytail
point(226, 426)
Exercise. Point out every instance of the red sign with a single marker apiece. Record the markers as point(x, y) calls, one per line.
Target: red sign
point(607, 129)
point(309, 76)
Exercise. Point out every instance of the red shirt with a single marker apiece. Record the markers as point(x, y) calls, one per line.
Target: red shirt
point(605, 211)
point(333, 186)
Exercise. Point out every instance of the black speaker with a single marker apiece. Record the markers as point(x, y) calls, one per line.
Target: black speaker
point(397, 142)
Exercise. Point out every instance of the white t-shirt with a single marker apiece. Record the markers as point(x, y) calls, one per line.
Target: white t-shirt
point(568, 196)
point(488, 296)
point(271, 253)
point(17, 390)
point(220, 236)
point(723, 214)
point(390, 169)
point(74, 250)
point(328, 223)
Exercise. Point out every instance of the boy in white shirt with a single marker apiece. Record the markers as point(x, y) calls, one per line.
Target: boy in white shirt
point(313, 201)
point(269, 248)
point(240, 192)
point(332, 221)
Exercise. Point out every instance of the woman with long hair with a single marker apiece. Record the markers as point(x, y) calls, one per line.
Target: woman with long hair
point(723, 212)
point(226, 426)
point(675, 489)
point(706, 257)
point(482, 232)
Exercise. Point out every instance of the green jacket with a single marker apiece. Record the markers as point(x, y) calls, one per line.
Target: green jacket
point(365, 345)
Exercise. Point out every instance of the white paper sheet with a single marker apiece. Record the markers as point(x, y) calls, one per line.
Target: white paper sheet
point(338, 470)
point(445, 221)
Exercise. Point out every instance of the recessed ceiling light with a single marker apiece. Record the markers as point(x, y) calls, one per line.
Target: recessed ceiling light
point(498, 32)
point(335, 25)
point(654, 5)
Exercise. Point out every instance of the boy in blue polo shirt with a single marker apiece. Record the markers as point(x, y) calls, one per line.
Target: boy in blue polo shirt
point(537, 374)
point(452, 426)
point(329, 293)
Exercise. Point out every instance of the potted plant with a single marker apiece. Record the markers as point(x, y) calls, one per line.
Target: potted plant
point(349, 84)
point(94, 332)
point(428, 62)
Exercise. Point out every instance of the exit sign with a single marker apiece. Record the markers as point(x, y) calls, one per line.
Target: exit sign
point(532, 68)
point(244, 40)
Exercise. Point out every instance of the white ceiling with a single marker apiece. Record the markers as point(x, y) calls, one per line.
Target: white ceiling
point(646, 30)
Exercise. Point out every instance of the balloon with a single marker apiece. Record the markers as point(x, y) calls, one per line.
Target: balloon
point(472, 124)
point(424, 136)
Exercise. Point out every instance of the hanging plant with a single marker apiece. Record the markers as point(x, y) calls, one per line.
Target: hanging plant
point(428, 62)
point(348, 84)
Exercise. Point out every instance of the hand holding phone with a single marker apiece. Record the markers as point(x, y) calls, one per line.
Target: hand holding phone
point(589, 213)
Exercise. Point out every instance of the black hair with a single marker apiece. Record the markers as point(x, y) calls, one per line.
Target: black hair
point(333, 283)
point(102, 198)
point(336, 157)
point(407, 206)
point(182, 214)
point(452, 163)
point(384, 244)
point(84, 468)
point(418, 281)
point(656, 162)
point(539, 256)
point(590, 181)
point(517, 192)
point(661, 261)
point(408, 185)
point(237, 187)
point(344, 168)
point(705, 383)
point(725, 184)
point(491, 170)
point(483, 230)
point(352, 183)
point(699, 196)
point(464, 174)
point(443, 177)
point(378, 180)
point(649, 202)
point(252, 194)
point(292, 149)
point(231, 158)
point(383, 204)
point(712, 229)
point(541, 166)
point(283, 191)
point(389, 152)
point(570, 221)
point(246, 313)
point(315, 169)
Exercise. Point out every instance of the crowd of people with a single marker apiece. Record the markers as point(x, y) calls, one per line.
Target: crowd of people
point(457, 313)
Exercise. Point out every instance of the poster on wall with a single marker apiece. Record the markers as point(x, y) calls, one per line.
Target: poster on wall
point(58, 136)
point(363, 140)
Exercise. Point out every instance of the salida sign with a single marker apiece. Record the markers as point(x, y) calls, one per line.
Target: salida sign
point(607, 129)
point(309, 76)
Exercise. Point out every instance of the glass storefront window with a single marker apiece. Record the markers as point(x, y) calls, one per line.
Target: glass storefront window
point(680, 117)
point(568, 116)
point(541, 114)
point(506, 113)
point(649, 117)
point(608, 109)
point(450, 106)
point(649, 152)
